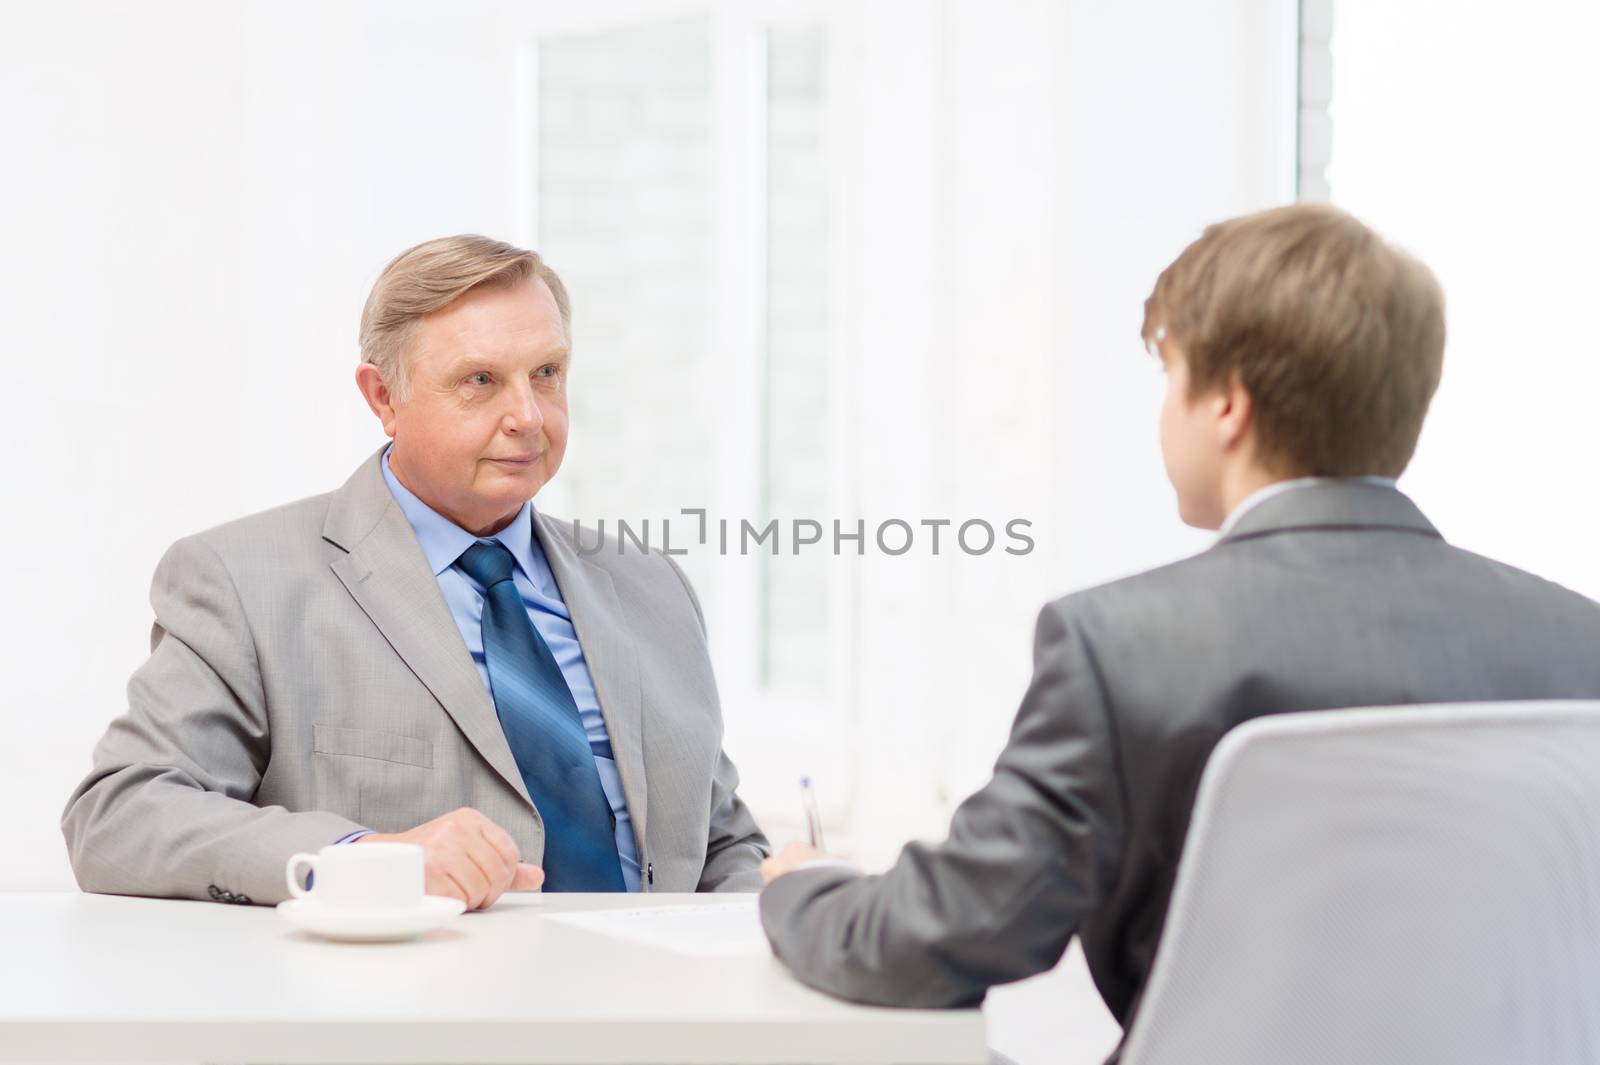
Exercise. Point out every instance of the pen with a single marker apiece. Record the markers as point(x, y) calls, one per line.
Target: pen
point(808, 801)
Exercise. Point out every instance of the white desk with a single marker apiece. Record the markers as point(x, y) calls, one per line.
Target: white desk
point(92, 978)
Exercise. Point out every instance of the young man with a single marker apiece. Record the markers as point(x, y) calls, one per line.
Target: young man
point(1301, 352)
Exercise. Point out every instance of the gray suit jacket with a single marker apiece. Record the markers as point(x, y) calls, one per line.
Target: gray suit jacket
point(1327, 596)
point(306, 679)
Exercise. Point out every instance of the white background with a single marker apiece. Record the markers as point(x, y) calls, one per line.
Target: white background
point(197, 197)
point(1469, 139)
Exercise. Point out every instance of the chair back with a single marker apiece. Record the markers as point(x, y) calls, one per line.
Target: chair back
point(1417, 885)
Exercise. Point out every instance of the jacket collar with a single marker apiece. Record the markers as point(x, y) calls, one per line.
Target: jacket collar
point(1350, 505)
point(359, 505)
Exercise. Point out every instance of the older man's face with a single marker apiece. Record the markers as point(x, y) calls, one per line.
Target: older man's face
point(485, 425)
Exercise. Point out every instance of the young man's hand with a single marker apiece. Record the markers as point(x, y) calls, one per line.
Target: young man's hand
point(786, 860)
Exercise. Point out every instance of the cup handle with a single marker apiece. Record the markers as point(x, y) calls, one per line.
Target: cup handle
point(291, 872)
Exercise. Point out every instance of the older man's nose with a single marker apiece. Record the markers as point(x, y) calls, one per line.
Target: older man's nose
point(524, 415)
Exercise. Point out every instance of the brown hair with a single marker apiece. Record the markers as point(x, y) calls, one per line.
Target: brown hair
point(1337, 336)
point(430, 277)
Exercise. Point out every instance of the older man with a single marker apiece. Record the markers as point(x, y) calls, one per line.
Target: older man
point(421, 655)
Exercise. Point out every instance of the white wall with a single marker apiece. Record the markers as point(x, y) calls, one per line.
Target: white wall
point(119, 281)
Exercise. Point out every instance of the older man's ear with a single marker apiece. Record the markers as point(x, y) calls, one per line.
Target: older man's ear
point(369, 379)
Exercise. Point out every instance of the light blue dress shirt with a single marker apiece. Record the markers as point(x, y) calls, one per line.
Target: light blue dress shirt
point(1261, 495)
point(442, 542)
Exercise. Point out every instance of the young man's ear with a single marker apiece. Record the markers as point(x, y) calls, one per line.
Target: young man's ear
point(1235, 412)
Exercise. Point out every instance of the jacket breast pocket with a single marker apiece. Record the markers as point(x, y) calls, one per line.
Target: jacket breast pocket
point(381, 780)
point(364, 743)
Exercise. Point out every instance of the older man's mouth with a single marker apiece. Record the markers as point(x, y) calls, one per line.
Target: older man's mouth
point(519, 463)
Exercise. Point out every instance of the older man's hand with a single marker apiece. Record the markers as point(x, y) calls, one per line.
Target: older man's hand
point(786, 860)
point(467, 856)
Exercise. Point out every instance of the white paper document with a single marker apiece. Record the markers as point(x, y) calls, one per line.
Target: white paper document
point(700, 930)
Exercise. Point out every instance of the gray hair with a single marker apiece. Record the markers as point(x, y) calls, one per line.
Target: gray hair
point(431, 276)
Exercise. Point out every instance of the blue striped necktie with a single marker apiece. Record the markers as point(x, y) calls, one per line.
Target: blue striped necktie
point(545, 733)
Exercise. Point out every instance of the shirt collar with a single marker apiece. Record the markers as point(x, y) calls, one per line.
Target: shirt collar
point(443, 540)
point(1277, 488)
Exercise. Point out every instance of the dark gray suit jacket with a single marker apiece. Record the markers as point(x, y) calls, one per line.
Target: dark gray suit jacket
point(306, 679)
point(1332, 595)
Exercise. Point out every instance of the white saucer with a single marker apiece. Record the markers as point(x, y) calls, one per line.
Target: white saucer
point(373, 926)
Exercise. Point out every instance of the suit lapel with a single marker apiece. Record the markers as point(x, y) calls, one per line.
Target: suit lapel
point(386, 573)
point(602, 630)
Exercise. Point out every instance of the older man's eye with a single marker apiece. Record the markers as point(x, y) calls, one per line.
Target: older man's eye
point(479, 379)
point(547, 371)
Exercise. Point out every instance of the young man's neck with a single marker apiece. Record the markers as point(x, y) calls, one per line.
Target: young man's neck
point(1240, 482)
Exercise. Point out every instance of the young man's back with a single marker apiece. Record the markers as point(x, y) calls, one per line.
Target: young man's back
point(1331, 594)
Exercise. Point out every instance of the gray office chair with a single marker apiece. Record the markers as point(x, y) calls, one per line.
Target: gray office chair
point(1416, 885)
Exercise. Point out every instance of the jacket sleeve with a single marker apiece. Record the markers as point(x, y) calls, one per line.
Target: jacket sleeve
point(1028, 858)
point(166, 809)
point(735, 845)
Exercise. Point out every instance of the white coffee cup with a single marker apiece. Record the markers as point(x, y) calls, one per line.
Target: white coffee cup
point(360, 876)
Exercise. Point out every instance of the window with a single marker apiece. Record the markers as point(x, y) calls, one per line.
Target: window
point(680, 176)
point(1463, 136)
